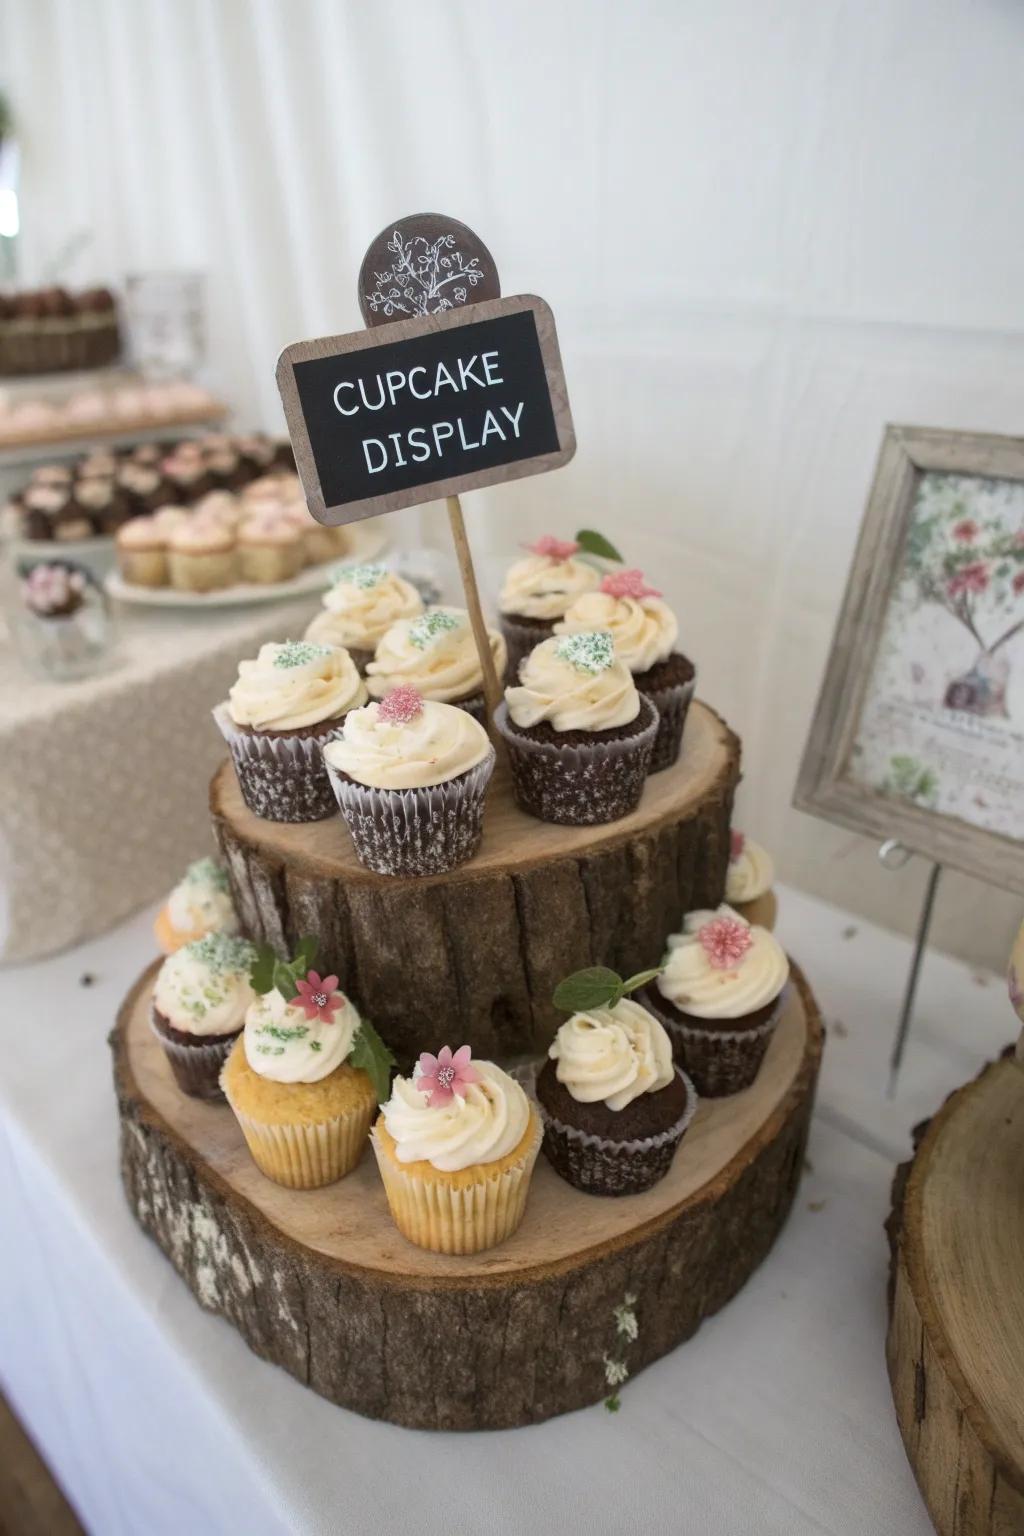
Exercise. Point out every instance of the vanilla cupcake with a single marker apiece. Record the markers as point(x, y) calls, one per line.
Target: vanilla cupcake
point(748, 881)
point(199, 904)
point(286, 704)
point(456, 1144)
point(644, 631)
point(435, 654)
point(201, 556)
point(319, 543)
point(537, 591)
point(270, 549)
point(579, 735)
point(361, 607)
point(141, 551)
point(199, 1004)
point(410, 776)
point(720, 997)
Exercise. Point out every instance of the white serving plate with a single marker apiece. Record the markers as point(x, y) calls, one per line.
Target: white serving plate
point(366, 541)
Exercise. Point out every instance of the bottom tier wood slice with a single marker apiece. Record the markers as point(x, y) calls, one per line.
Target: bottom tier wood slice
point(956, 1331)
point(322, 1283)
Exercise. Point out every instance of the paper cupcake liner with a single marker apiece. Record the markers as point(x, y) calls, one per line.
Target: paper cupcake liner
point(282, 778)
point(196, 1068)
point(673, 705)
point(582, 785)
point(308, 1156)
point(445, 1218)
point(475, 705)
point(415, 831)
point(520, 640)
point(720, 1063)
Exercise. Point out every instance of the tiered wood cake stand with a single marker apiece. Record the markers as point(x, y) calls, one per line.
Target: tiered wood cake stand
point(956, 1330)
point(321, 1282)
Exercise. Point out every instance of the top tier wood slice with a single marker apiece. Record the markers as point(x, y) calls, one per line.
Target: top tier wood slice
point(475, 955)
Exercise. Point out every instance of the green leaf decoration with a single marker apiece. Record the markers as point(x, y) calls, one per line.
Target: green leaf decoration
point(593, 543)
point(371, 1054)
point(633, 983)
point(595, 987)
point(306, 955)
point(268, 971)
point(284, 980)
point(261, 976)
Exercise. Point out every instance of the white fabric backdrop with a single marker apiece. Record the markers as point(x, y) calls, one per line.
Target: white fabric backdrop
point(766, 229)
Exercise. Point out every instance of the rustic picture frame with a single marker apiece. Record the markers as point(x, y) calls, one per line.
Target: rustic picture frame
point(825, 786)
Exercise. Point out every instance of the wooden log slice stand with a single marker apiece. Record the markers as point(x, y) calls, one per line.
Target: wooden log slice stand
point(322, 1284)
point(956, 1330)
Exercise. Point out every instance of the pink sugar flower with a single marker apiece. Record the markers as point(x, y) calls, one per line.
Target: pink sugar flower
point(737, 842)
point(627, 584)
point(315, 997)
point(725, 941)
point(443, 1075)
point(554, 549)
point(401, 705)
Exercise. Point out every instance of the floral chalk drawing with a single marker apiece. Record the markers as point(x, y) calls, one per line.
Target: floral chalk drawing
point(425, 277)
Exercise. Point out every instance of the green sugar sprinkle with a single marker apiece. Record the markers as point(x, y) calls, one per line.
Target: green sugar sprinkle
point(425, 630)
point(590, 650)
point(283, 1033)
point(207, 872)
point(298, 653)
point(361, 576)
point(221, 952)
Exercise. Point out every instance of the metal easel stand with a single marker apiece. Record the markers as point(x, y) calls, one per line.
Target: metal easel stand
point(893, 855)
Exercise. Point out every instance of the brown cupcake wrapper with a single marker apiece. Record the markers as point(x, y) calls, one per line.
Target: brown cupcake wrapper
point(282, 778)
point(673, 705)
point(415, 831)
point(719, 1062)
point(580, 785)
point(520, 640)
point(197, 1068)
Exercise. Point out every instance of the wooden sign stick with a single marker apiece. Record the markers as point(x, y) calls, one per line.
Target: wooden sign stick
point(492, 684)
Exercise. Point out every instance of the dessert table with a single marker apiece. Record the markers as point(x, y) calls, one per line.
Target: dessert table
point(776, 1417)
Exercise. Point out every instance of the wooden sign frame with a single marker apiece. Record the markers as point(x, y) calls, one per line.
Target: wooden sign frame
point(403, 330)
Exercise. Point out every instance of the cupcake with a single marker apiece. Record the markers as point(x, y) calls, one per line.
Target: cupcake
point(41, 506)
point(319, 543)
point(269, 549)
point(579, 735)
point(142, 487)
point(361, 607)
point(141, 551)
point(201, 556)
point(435, 654)
point(96, 498)
point(199, 904)
point(748, 881)
point(199, 1006)
point(644, 630)
point(613, 1103)
point(305, 1078)
point(285, 705)
point(410, 776)
point(720, 997)
point(455, 1145)
point(537, 592)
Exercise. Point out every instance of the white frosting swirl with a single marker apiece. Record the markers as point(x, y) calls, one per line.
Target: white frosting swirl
point(201, 902)
point(694, 985)
point(570, 695)
point(435, 653)
point(203, 988)
point(750, 874)
point(283, 1045)
point(362, 606)
point(482, 1127)
point(644, 629)
point(614, 1054)
point(542, 587)
point(436, 745)
point(295, 684)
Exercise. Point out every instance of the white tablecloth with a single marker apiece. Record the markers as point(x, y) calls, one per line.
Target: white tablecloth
point(775, 1418)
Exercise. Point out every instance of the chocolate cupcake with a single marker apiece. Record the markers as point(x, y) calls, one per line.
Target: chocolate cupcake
point(579, 735)
point(361, 607)
point(97, 498)
point(199, 1005)
point(436, 654)
point(644, 630)
point(288, 703)
point(41, 506)
point(720, 997)
point(410, 776)
point(614, 1106)
point(536, 592)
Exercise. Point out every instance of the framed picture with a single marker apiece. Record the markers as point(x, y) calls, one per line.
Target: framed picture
point(919, 728)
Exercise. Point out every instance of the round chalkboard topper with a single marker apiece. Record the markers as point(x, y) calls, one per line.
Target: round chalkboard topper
point(424, 265)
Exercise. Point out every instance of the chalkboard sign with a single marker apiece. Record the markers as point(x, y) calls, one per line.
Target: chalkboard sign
point(426, 407)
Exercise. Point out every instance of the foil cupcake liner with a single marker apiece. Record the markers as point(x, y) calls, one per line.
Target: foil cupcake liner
point(673, 705)
point(579, 785)
point(520, 640)
point(415, 831)
point(282, 778)
point(307, 1156)
point(196, 1068)
point(719, 1062)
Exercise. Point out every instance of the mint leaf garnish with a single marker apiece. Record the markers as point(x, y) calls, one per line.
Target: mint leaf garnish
point(595, 987)
point(596, 544)
point(261, 976)
point(269, 971)
point(284, 980)
point(371, 1054)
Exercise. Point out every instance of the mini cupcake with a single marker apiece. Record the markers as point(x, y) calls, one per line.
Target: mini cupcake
point(614, 1105)
point(361, 607)
point(41, 506)
point(142, 487)
point(538, 591)
point(435, 654)
point(579, 735)
point(720, 997)
point(141, 551)
point(269, 549)
point(185, 472)
point(455, 1145)
point(410, 776)
point(644, 630)
point(318, 542)
point(218, 507)
point(201, 556)
point(199, 904)
point(285, 706)
point(748, 881)
point(199, 1006)
point(96, 497)
point(304, 1079)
